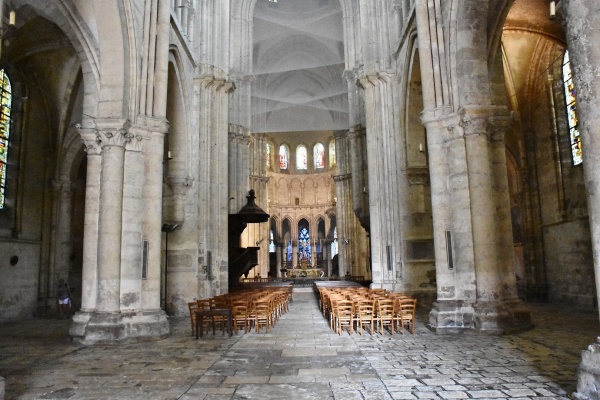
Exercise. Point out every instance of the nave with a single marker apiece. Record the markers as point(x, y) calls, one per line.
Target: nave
point(301, 358)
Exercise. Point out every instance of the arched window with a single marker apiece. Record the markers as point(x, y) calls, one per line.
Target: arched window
point(272, 247)
point(5, 110)
point(319, 155)
point(284, 156)
point(304, 248)
point(334, 244)
point(268, 151)
point(571, 100)
point(301, 158)
point(332, 154)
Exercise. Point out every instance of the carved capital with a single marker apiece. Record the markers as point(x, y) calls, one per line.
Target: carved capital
point(89, 137)
point(114, 134)
point(218, 84)
point(137, 135)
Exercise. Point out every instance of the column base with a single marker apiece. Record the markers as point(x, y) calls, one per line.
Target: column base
point(113, 328)
point(493, 318)
point(588, 375)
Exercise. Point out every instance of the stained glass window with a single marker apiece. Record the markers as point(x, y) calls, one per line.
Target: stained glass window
point(571, 100)
point(332, 154)
point(283, 157)
point(288, 250)
point(334, 244)
point(319, 155)
point(268, 155)
point(304, 248)
point(5, 103)
point(272, 247)
point(301, 158)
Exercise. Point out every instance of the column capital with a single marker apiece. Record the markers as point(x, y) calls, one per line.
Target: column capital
point(89, 137)
point(377, 79)
point(113, 132)
point(219, 84)
point(488, 120)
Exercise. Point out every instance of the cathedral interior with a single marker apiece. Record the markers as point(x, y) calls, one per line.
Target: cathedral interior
point(439, 148)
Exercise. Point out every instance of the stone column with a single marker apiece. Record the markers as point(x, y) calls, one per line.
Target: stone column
point(582, 22)
point(383, 158)
point(131, 242)
point(279, 255)
point(295, 254)
point(112, 140)
point(62, 248)
point(92, 211)
point(153, 134)
point(474, 124)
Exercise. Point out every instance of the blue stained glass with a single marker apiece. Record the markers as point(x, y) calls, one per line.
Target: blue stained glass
point(304, 248)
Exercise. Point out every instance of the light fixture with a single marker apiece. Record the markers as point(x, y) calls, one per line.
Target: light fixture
point(552, 9)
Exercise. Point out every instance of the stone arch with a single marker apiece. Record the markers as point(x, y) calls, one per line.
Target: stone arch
point(83, 40)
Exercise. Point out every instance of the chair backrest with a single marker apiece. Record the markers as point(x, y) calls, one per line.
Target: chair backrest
point(385, 306)
point(365, 307)
point(406, 306)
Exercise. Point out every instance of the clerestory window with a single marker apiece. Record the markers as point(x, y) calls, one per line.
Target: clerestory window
point(5, 111)
point(571, 104)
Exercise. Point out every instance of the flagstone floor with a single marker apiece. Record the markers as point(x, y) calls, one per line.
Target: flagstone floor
point(301, 358)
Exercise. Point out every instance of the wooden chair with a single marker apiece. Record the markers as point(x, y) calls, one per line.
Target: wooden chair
point(404, 314)
point(344, 316)
point(193, 306)
point(240, 313)
point(219, 320)
point(365, 313)
point(262, 315)
point(385, 314)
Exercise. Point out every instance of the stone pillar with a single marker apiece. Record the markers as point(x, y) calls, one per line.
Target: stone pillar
point(112, 141)
point(213, 177)
point(474, 124)
point(120, 309)
point(476, 290)
point(61, 246)
point(295, 254)
point(279, 255)
point(153, 134)
point(582, 22)
point(92, 211)
point(384, 152)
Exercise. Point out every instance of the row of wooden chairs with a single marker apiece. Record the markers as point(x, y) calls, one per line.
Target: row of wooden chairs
point(250, 309)
point(360, 309)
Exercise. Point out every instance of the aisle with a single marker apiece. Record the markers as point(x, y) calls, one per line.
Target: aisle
point(301, 358)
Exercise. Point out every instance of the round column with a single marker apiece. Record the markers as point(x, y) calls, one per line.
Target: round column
point(110, 219)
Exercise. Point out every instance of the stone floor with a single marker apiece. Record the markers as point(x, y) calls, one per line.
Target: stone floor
point(300, 359)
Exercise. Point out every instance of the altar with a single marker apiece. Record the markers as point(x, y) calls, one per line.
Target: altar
point(305, 272)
